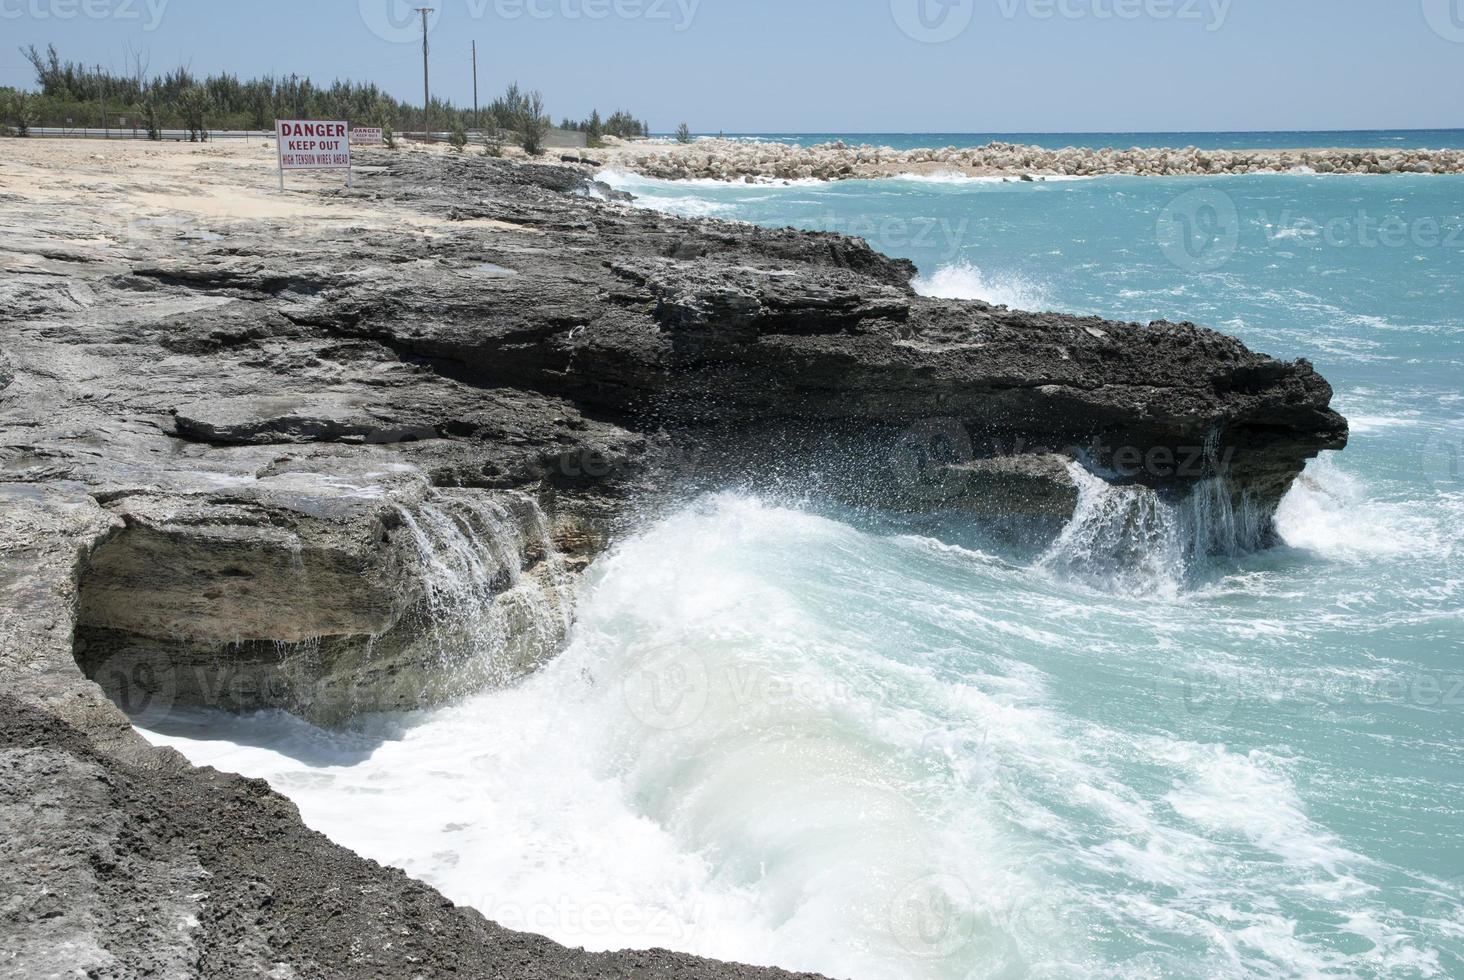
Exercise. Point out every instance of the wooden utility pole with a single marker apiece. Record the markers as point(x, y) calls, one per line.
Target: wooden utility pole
point(426, 82)
point(477, 120)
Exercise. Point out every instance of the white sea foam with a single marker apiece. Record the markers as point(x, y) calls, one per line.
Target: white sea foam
point(703, 711)
point(962, 280)
point(629, 181)
point(1331, 512)
point(948, 177)
point(1252, 796)
point(778, 739)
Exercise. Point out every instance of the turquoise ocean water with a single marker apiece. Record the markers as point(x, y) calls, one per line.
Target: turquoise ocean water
point(784, 736)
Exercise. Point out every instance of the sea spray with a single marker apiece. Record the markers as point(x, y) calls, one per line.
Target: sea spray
point(776, 738)
point(1134, 539)
point(963, 280)
point(487, 619)
point(1124, 538)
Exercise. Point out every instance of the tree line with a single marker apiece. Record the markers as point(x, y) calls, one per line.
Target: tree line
point(620, 123)
point(72, 94)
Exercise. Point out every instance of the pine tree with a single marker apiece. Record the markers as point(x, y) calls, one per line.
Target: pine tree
point(533, 124)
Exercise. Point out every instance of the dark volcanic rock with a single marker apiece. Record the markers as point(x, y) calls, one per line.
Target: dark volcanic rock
point(678, 325)
point(232, 463)
point(122, 871)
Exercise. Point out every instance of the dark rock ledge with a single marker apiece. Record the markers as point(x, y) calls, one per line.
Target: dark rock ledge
point(222, 457)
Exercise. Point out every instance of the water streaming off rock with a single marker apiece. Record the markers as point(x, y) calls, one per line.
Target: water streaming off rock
point(497, 600)
point(1133, 539)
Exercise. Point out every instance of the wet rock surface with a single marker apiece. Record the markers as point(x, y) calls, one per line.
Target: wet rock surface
point(237, 452)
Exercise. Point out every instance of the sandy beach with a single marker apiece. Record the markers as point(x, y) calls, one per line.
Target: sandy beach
point(127, 186)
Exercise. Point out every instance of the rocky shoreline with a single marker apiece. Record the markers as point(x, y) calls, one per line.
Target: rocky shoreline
point(264, 451)
point(733, 160)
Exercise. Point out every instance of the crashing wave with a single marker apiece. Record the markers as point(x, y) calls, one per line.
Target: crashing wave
point(962, 280)
point(1134, 539)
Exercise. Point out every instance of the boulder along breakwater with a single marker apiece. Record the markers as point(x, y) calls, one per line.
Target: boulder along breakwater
point(267, 452)
point(718, 159)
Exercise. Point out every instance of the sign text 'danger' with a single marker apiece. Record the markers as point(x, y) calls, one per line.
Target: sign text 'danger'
point(313, 145)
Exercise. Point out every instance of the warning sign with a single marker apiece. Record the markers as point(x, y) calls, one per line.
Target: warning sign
point(367, 136)
point(313, 145)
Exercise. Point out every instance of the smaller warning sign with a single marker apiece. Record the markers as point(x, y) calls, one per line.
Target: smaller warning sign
point(366, 136)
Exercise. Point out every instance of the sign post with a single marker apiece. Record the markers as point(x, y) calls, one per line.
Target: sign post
point(308, 144)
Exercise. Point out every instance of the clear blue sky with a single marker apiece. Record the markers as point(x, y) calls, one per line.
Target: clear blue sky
point(829, 65)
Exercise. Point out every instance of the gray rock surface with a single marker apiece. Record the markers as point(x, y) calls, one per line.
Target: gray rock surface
point(241, 467)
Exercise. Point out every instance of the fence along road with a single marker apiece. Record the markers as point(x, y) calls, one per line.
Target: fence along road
point(555, 139)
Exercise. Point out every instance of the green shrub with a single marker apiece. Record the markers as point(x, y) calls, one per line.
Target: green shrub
point(458, 138)
point(521, 113)
point(381, 114)
point(683, 133)
point(532, 140)
point(23, 111)
point(194, 103)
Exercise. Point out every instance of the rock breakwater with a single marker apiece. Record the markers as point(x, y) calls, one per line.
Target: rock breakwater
point(730, 160)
